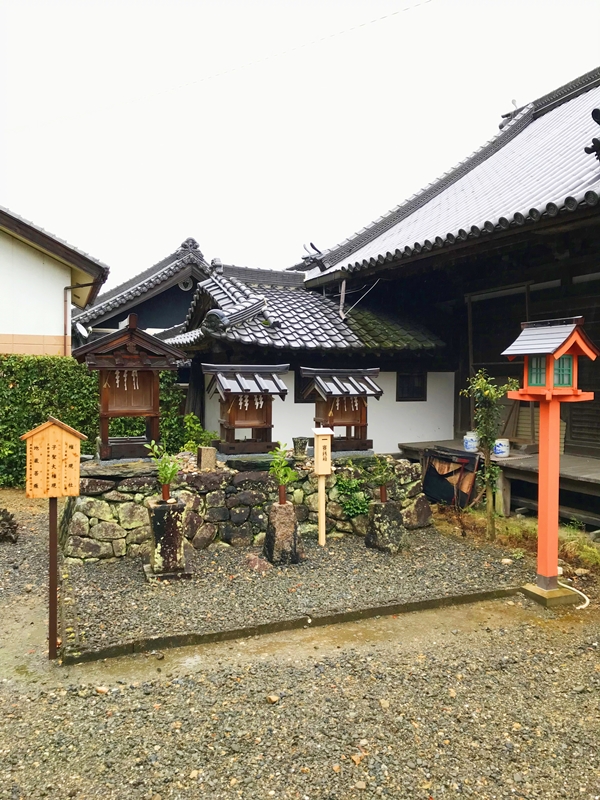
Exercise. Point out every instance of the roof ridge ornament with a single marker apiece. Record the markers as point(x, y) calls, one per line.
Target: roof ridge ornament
point(594, 148)
point(190, 244)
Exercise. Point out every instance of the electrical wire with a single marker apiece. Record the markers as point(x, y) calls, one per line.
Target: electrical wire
point(249, 64)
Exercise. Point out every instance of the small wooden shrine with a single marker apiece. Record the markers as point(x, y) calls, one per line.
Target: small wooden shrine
point(128, 362)
point(341, 401)
point(246, 401)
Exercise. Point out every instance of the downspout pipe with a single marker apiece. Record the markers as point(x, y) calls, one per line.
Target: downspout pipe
point(66, 310)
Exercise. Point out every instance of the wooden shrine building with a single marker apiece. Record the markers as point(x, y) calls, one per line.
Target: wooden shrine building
point(128, 363)
point(340, 397)
point(246, 403)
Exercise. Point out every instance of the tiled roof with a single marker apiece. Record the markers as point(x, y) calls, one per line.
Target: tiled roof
point(536, 167)
point(232, 379)
point(290, 318)
point(342, 382)
point(137, 286)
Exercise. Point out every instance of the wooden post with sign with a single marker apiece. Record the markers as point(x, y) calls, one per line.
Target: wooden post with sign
point(322, 469)
point(52, 471)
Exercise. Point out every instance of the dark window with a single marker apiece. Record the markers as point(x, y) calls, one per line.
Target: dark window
point(411, 387)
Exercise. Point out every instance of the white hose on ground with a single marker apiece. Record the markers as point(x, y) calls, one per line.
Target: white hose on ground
point(581, 594)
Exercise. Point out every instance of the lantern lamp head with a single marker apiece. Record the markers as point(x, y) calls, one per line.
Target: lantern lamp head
point(551, 349)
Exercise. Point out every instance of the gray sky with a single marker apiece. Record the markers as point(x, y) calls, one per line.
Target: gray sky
point(257, 125)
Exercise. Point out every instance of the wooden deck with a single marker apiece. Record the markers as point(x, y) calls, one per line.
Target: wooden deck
point(577, 473)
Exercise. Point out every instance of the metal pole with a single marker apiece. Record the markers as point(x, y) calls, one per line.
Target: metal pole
point(53, 580)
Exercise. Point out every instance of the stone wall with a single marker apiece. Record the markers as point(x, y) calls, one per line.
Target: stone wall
point(110, 518)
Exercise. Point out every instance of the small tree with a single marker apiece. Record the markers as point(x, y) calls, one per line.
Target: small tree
point(486, 396)
point(281, 471)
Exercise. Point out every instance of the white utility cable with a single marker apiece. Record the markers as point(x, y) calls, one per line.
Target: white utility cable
point(581, 594)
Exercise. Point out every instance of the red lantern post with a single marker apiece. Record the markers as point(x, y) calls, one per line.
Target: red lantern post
point(551, 349)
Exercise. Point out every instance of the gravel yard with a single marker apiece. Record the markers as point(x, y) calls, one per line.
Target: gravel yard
point(489, 701)
point(493, 700)
point(113, 603)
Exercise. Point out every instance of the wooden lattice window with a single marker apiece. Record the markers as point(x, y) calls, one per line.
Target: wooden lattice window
point(563, 371)
point(411, 387)
point(537, 370)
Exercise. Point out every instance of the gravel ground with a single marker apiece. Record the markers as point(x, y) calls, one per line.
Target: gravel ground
point(492, 701)
point(507, 709)
point(113, 603)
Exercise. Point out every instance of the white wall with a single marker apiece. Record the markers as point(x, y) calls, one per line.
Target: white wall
point(389, 422)
point(31, 294)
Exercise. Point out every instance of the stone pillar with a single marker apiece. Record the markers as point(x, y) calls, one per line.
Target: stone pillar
point(207, 458)
point(167, 556)
point(282, 541)
point(385, 529)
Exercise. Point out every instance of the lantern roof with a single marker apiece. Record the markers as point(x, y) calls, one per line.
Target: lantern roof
point(552, 337)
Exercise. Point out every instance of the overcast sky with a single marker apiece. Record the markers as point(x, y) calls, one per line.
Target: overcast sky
point(257, 125)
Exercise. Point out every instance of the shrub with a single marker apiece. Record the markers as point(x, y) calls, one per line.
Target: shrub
point(351, 497)
point(194, 434)
point(35, 387)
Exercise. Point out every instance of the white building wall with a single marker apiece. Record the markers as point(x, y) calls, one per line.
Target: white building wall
point(389, 422)
point(31, 299)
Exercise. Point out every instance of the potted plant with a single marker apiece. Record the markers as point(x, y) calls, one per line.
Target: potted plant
point(282, 473)
point(167, 467)
point(382, 475)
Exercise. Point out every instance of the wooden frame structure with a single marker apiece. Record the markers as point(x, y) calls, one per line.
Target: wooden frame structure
point(341, 401)
point(246, 401)
point(128, 362)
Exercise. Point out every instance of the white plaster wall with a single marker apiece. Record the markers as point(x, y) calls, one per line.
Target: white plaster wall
point(389, 422)
point(31, 296)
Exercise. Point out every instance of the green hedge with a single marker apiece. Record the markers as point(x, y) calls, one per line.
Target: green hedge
point(35, 387)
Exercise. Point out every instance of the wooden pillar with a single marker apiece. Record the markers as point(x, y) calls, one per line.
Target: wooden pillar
point(502, 496)
point(321, 510)
point(549, 477)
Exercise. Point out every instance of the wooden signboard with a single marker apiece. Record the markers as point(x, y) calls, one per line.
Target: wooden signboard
point(323, 438)
point(322, 450)
point(53, 451)
point(52, 471)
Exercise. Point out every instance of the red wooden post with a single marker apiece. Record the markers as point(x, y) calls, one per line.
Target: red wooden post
point(549, 477)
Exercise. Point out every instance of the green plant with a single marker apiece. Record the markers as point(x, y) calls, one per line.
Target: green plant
point(351, 496)
point(518, 554)
point(167, 466)
point(486, 396)
point(383, 472)
point(194, 434)
point(280, 469)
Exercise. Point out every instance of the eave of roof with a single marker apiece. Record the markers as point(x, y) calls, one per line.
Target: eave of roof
point(185, 257)
point(59, 249)
point(575, 186)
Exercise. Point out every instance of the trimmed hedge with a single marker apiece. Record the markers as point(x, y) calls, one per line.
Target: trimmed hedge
point(35, 387)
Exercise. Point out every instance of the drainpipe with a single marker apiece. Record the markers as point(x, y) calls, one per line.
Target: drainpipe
point(66, 310)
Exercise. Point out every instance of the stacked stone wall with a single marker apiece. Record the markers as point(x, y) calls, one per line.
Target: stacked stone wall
point(110, 518)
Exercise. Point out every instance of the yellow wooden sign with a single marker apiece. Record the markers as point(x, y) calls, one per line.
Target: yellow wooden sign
point(322, 450)
point(53, 451)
